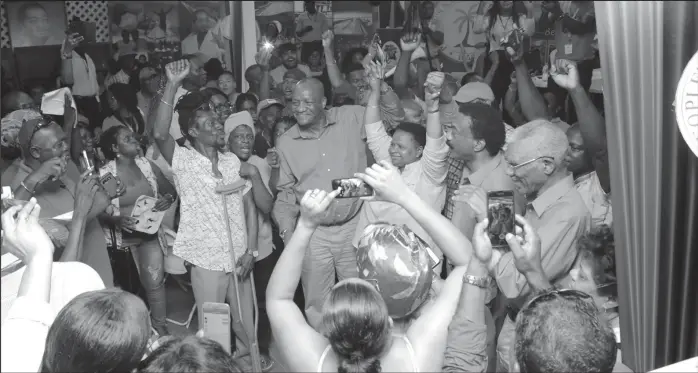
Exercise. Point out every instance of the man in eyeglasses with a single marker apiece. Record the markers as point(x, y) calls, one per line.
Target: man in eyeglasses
point(46, 172)
point(535, 162)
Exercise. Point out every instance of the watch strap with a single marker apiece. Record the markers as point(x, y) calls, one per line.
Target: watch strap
point(481, 282)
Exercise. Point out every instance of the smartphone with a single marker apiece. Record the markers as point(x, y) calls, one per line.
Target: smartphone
point(500, 213)
point(217, 323)
point(109, 183)
point(352, 188)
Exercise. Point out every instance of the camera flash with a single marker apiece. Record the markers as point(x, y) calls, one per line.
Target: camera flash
point(268, 45)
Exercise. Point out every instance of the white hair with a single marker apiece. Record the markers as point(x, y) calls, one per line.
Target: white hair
point(540, 138)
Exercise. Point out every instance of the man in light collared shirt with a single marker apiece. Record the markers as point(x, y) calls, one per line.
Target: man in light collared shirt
point(323, 146)
point(536, 164)
point(79, 71)
point(309, 27)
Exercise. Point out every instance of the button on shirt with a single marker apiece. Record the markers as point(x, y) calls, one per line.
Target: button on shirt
point(560, 217)
point(598, 202)
point(202, 237)
point(310, 162)
point(426, 177)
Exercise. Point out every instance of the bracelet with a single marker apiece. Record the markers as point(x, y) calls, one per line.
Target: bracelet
point(434, 111)
point(25, 187)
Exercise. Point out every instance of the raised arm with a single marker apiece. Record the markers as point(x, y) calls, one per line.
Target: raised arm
point(176, 71)
point(263, 58)
point(401, 78)
point(389, 186)
point(532, 102)
point(435, 151)
point(69, 44)
point(336, 78)
point(377, 138)
point(481, 19)
point(591, 124)
point(84, 198)
point(287, 321)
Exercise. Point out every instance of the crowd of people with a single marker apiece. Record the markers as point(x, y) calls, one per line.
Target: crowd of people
point(175, 164)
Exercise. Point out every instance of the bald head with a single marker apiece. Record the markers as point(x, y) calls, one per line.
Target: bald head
point(16, 100)
point(308, 102)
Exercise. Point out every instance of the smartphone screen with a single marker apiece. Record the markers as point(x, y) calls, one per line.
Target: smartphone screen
point(500, 213)
point(352, 188)
point(217, 323)
point(109, 183)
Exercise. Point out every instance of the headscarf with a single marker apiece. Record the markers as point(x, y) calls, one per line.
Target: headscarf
point(12, 123)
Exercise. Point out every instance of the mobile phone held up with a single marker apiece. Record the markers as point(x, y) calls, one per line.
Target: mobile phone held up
point(109, 183)
point(500, 213)
point(352, 188)
point(217, 324)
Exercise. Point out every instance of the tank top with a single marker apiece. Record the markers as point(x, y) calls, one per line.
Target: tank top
point(410, 350)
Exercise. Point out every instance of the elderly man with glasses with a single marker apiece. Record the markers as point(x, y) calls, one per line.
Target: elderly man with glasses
point(535, 162)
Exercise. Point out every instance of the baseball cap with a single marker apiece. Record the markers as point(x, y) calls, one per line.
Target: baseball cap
point(242, 118)
point(287, 47)
point(268, 103)
point(474, 91)
point(395, 260)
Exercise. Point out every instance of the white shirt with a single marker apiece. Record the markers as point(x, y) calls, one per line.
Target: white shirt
point(84, 76)
point(318, 21)
point(190, 45)
point(427, 177)
point(202, 238)
point(265, 243)
point(501, 27)
point(26, 320)
point(593, 195)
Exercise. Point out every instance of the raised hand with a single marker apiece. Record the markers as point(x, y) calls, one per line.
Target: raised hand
point(375, 71)
point(85, 193)
point(23, 236)
point(475, 197)
point(386, 181)
point(482, 246)
point(51, 169)
point(410, 41)
point(71, 42)
point(176, 71)
point(432, 89)
point(314, 206)
point(565, 74)
point(516, 44)
point(327, 39)
point(525, 247)
point(264, 56)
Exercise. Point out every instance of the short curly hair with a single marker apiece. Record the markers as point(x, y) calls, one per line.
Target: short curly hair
point(598, 248)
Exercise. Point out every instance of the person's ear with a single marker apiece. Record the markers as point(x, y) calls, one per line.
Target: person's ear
point(479, 145)
point(115, 148)
point(392, 323)
point(193, 132)
point(420, 151)
point(324, 102)
point(549, 166)
point(34, 152)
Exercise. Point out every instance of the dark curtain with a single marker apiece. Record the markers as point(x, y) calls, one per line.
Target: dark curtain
point(644, 48)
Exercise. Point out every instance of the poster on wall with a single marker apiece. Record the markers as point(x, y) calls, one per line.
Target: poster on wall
point(34, 24)
point(353, 23)
point(148, 30)
point(200, 28)
point(275, 22)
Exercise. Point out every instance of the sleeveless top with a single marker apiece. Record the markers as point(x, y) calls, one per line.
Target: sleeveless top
point(415, 368)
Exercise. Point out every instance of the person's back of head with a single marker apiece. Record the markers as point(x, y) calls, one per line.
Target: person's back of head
point(213, 68)
point(470, 77)
point(563, 331)
point(189, 355)
point(355, 320)
point(98, 331)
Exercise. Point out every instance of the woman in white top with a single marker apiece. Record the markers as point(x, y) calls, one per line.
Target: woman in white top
point(497, 19)
point(356, 320)
point(420, 155)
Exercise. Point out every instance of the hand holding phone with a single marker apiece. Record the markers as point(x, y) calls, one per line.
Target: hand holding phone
point(500, 213)
point(352, 188)
point(217, 323)
point(112, 185)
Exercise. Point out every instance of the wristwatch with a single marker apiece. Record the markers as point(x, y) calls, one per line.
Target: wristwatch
point(254, 253)
point(481, 282)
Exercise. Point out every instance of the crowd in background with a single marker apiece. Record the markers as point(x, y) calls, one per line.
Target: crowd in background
point(241, 198)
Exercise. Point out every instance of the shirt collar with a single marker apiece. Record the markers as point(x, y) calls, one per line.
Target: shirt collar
point(584, 178)
point(296, 132)
point(550, 196)
point(479, 176)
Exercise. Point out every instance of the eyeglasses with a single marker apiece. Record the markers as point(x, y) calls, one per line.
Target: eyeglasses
point(516, 167)
point(552, 294)
point(44, 122)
